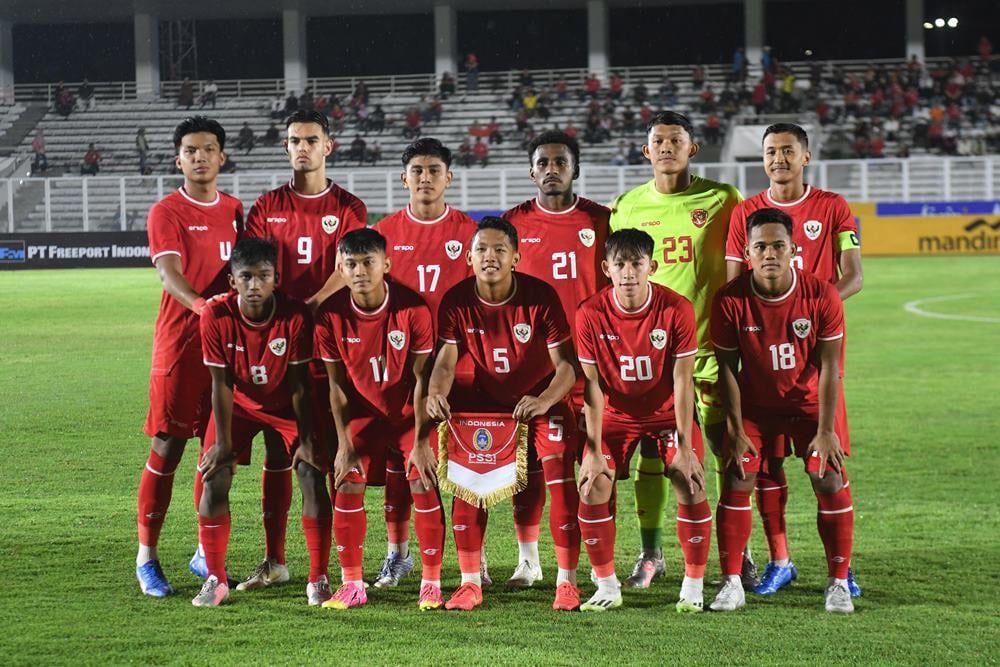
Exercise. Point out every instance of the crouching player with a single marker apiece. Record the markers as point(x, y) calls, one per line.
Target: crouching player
point(637, 343)
point(514, 329)
point(777, 334)
point(376, 339)
point(257, 345)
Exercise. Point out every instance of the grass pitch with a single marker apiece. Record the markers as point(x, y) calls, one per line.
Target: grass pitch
point(923, 395)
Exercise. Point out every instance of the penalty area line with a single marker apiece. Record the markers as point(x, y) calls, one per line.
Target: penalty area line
point(915, 307)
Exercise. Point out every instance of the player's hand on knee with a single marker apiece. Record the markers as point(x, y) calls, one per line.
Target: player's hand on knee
point(306, 453)
point(438, 408)
point(422, 458)
point(347, 461)
point(740, 446)
point(529, 407)
point(686, 464)
point(214, 460)
point(826, 447)
point(592, 468)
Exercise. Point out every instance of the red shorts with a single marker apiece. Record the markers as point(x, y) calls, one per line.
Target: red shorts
point(771, 434)
point(380, 442)
point(554, 434)
point(247, 424)
point(180, 400)
point(620, 437)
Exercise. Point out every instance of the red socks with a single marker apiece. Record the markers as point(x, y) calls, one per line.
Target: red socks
point(318, 531)
point(429, 524)
point(529, 506)
point(597, 529)
point(349, 526)
point(397, 503)
point(213, 534)
point(772, 497)
point(155, 488)
point(468, 523)
point(275, 501)
point(734, 520)
point(835, 521)
point(694, 531)
point(564, 502)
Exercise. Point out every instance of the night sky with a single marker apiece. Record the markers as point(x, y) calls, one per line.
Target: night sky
point(386, 44)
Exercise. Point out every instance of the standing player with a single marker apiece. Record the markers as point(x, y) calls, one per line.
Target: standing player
point(637, 345)
point(191, 234)
point(777, 333)
point(561, 236)
point(257, 344)
point(513, 328)
point(306, 217)
point(376, 339)
point(688, 217)
point(826, 240)
point(426, 244)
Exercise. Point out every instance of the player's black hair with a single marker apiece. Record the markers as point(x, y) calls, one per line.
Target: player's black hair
point(628, 244)
point(361, 242)
point(309, 116)
point(252, 251)
point(499, 224)
point(789, 128)
point(555, 137)
point(193, 124)
point(766, 216)
point(671, 118)
point(427, 146)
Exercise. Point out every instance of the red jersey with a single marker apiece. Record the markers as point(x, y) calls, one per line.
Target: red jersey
point(374, 346)
point(202, 235)
point(563, 248)
point(634, 349)
point(258, 354)
point(819, 218)
point(508, 341)
point(307, 229)
point(777, 339)
point(428, 256)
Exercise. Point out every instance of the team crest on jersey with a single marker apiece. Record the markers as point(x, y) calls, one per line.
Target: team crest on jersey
point(699, 217)
point(278, 346)
point(482, 439)
point(658, 337)
point(453, 249)
point(522, 332)
point(330, 223)
point(397, 339)
point(802, 327)
point(812, 228)
point(587, 237)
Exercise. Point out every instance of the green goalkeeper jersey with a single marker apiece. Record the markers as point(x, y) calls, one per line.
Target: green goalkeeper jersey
point(689, 231)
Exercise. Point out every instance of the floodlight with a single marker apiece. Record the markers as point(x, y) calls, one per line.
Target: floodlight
point(953, 22)
point(939, 23)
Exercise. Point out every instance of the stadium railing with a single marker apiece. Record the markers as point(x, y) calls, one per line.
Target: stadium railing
point(122, 203)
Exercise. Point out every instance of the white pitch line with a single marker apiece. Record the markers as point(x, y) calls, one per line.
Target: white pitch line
point(914, 307)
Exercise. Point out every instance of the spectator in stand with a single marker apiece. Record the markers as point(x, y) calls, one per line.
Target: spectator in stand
point(570, 130)
point(876, 146)
point(562, 90)
point(374, 154)
point(527, 137)
point(40, 163)
point(411, 130)
point(823, 113)
point(85, 96)
point(481, 152)
point(306, 101)
point(435, 109)
point(521, 120)
point(697, 77)
point(860, 147)
point(738, 72)
point(851, 103)
point(525, 79)
point(529, 102)
point(271, 136)
point(542, 110)
point(645, 114)
point(185, 96)
point(788, 104)
point(640, 93)
point(376, 121)
point(591, 87)
point(360, 95)
point(338, 117)
point(707, 100)
point(759, 98)
point(447, 85)
point(65, 101)
point(91, 162)
point(464, 154)
point(628, 120)
point(615, 87)
point(635, 154)
point(246, 138)
point(954, 115)
point(142, 148)
point(985, 49)
point(620, 158)
point(494, 136)
point(278, 107)
point(667, 93)
point(208, 94)
point(357, 151)
point(361, 117)
point(712, 128)
point(766, 60)
point(471, 73)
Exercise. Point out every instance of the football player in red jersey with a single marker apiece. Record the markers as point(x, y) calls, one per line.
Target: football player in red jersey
point(376, 338)
point(257, 345)
point(426, 243)
point(777, 333)
point(561, 237)
point(514, 329)
point(306, 217)
point(637, 342)
point(191, 234)
point(826, 238)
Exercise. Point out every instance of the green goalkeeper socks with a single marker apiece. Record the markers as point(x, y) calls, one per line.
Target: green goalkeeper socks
point(650, 502)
